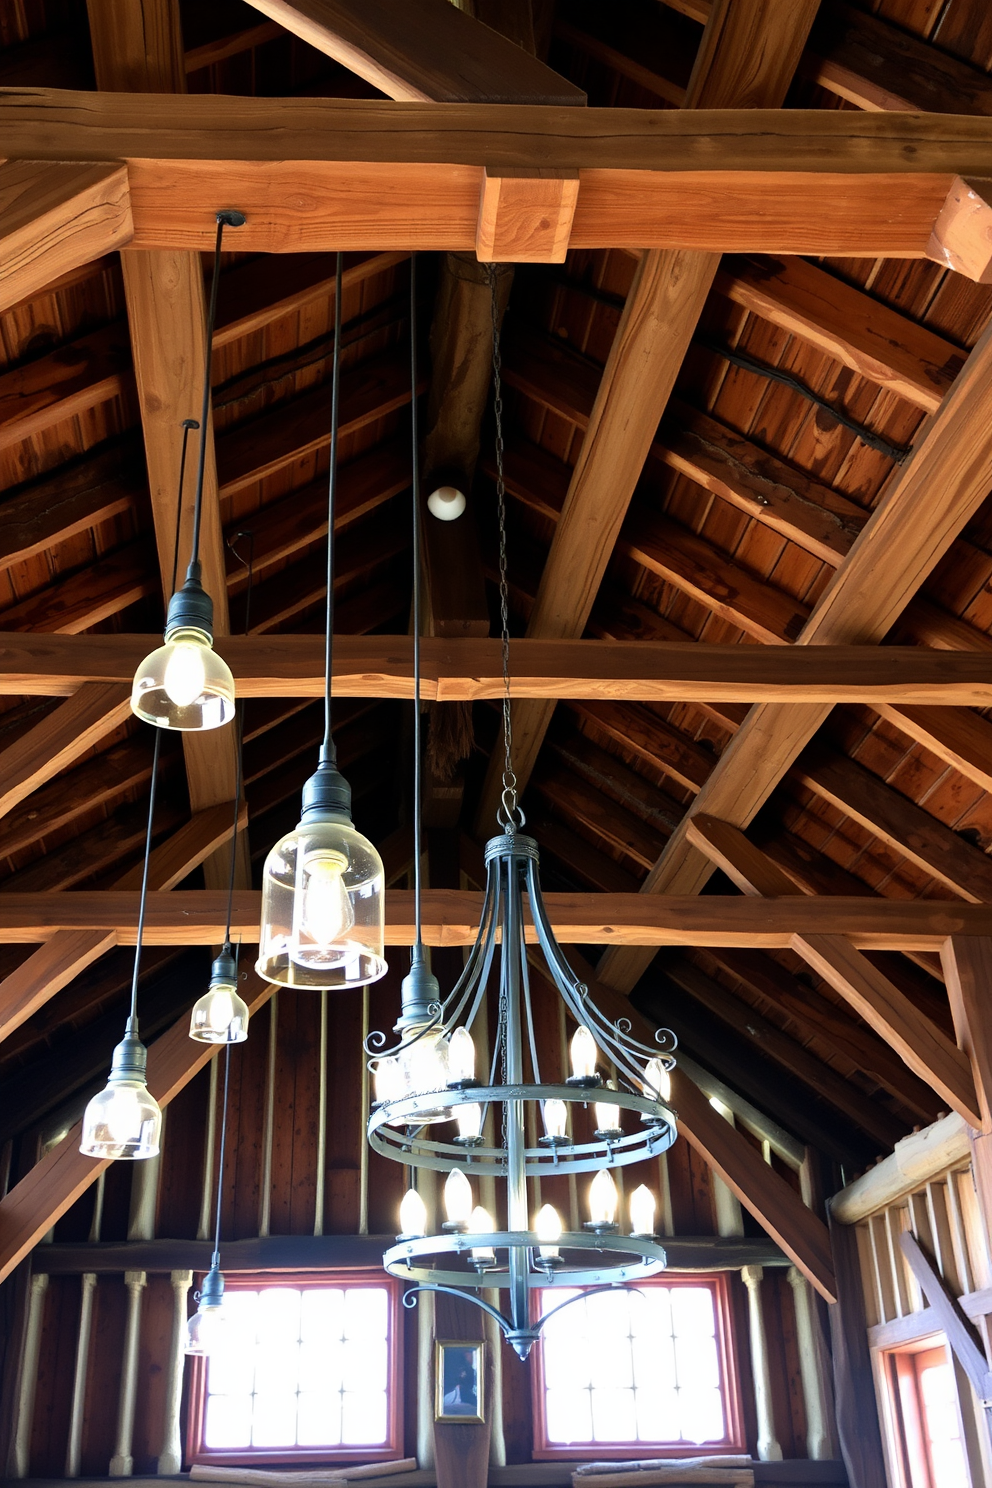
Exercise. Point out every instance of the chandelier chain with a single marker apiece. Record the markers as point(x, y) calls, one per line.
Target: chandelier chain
point(508, 813)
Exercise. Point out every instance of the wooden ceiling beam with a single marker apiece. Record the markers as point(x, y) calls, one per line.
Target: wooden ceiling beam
point(53, 965)
point(54, 216)
point(660, 314)
point(469, 669)
point(926, 503)
point(425, 50)
point(339, 174)
point(921, 1045)
point(197, 917)
point(92, 712)
point(54, 1184)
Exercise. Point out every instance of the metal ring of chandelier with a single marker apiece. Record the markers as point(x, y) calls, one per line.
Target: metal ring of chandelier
point(402, 1259)
point(557, 1158)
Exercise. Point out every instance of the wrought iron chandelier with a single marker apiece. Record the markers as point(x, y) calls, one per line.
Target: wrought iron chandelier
point(428, 1078)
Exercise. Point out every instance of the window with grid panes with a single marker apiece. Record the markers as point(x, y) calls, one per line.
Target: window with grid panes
point(649, 1367)
point(305, 1370)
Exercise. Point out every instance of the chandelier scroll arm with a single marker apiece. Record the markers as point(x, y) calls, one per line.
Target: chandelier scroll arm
point(410, 1299)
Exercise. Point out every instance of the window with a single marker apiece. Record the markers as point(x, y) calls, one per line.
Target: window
point(307, 1370)
point(929, 1422)
point(646, 1367)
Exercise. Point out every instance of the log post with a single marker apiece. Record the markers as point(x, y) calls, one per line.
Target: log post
point(769, 1449)
point(28, 1382)
point(170, 1460)
point(122, 1463)
point(817, 1395)
point(74, 1448)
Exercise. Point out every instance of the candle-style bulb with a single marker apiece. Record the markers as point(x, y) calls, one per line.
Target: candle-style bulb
point(583, 1053)
point(413, 1214)
point(481, 1223)
point(469, 1120)
point(555, 1114)
point(607, 1118)
point(642, 1207)
point(461, 1056)
point(548, 1227)
point(603, 1199)
point(657, 1083)
point(457, 1197)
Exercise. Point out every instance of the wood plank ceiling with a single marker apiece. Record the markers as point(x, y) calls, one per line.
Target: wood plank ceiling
point(786, 397)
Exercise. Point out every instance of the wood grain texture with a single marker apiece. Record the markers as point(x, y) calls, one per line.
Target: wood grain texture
point(55, 216)
point(94, 711)
point(962, 234)
point(526, 216)
point(137, 45)
point(465, 669)
point(51, 1187)
point(923, 507)
point(967, 963)
point(451, 917)
point(871, 338)
point(422, 50)
point(53, 965)
point(749, 53)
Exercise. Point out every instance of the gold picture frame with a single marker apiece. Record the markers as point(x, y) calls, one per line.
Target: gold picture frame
point(459, 1381)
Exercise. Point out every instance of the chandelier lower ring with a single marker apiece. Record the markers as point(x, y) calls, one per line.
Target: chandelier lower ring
point(406, 1258)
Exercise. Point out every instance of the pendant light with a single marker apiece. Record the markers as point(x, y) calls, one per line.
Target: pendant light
point(124, 1120)
point(323, 890)
point(207, 1328)
point(632, 1119)
point(184, 684)
point(220, 1016)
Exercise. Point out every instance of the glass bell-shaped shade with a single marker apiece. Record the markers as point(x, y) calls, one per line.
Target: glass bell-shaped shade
point(220, 1016)
point(323, 909)
point(208, 1327)
point(124, 1120)
point(184, 684)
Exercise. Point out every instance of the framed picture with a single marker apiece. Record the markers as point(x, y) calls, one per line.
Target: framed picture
point(459, 1389)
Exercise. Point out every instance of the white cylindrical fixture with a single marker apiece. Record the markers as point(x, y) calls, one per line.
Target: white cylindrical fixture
point(122, 1463)
point(73, 1451)
point(28, 1382)
point(817, 1393)
point(769, 1449)
point(170, 1459)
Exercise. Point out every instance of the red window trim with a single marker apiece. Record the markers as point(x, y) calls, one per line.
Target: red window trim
point(390, 1451)
point(733, 1442)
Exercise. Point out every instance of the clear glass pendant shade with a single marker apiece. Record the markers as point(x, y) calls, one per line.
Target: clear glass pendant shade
point(124, 1121)
point(184, 684)
point(220, 1016)
point(323, 909)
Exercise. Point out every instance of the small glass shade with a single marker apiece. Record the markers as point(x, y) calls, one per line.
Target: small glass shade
point(323, 909)
point(206, 1330)
point(184, 684)
point(123, 1121)
point(220, 1016)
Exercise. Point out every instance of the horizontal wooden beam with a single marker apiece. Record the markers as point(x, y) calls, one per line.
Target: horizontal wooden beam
point(328, 1252)
point(326, 173)
point(462, 669)
point(56, 214)
point(451, 917)
point(94, 710)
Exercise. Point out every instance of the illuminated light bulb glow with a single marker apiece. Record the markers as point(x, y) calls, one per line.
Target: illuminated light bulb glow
point(657, 1084)
point(123, 1121)
point(603, 1199)
point(642, 1207)
point(220, 1016)
point(327, 914)
point(185, 675)
point(413, 1214)
point(607, 1118)
point(457, 1197)
point(469, 1120)
point(481, 1223)
point(461, 1056)
point(583, 1053)
point(555, 1114)
point(426, 1062)
point(388, 1079)
point(446, 503)
point(207, 1331)
point(548, 1227)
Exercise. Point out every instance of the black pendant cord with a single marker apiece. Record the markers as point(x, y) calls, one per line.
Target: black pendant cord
point(215, 1258)
point(418, 947)
point(188, 425)
point(133, 1016)
point(224, 219)
point(328, 753)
